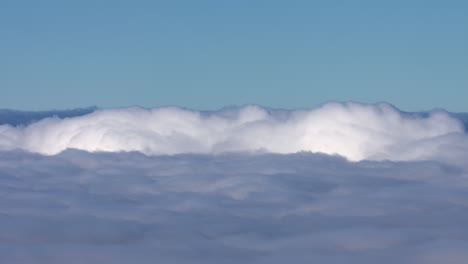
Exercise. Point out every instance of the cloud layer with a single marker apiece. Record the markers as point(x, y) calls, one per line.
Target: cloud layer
point(239, 185)
point(80, 207)
point(355, 131)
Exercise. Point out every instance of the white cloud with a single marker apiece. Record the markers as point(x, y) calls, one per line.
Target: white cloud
point(355, 131)
point(239, 202)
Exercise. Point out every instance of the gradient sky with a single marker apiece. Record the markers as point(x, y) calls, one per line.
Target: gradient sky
point(209, 54)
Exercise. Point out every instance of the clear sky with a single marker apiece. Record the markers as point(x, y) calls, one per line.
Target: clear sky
point(209, 54)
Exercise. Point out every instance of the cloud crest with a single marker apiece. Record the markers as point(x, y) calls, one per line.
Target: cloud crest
point(355, 131)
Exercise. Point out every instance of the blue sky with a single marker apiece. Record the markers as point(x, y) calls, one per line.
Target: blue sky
point(210, 54)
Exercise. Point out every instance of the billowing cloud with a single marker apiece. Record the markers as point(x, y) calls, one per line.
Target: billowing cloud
point(239, 185)
point(355, 131)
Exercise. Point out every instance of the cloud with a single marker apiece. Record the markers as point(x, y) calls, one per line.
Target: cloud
point(127, 207)
point(355, 131)
point(17, 118)
point(239, 185)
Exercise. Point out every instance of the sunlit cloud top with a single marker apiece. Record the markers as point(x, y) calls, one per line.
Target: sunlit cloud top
point(355, 131)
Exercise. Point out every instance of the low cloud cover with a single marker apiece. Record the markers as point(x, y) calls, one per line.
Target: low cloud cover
point(355, 131)
point(342, 183)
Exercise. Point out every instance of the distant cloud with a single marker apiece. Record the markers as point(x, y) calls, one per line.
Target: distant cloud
point(18, 118)
point(355, 131)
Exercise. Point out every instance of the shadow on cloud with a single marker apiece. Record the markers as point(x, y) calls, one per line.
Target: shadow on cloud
point(80, 207)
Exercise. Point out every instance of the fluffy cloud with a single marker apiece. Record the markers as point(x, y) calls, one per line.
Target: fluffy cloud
point(240, 185)
point(353, 130)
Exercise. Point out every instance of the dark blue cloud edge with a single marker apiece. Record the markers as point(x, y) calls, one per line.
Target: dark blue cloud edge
point(20, 118)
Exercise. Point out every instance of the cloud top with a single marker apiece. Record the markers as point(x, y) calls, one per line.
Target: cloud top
point(355, 131)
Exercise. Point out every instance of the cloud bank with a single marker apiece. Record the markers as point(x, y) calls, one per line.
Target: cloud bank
point(352, 130)
point(341, 183)
point(82, 207)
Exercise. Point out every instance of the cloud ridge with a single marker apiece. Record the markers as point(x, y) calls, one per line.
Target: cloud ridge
point(353, 130)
